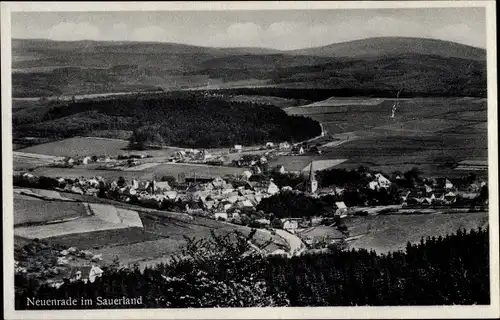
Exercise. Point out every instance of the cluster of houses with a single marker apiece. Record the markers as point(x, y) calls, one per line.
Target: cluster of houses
point(440, 192)
point(71, 265)
point(197, 156)
point(216, 198)
point(129, 160)
point(284, 147)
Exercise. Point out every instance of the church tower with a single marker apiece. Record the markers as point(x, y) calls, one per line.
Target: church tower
point(312, 184)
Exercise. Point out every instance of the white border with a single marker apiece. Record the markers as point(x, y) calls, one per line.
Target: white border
point(491, 311)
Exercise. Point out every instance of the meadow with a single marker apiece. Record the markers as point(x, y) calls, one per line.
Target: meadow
point(430, 133)
point(145, 238)
point(80, 146)
point(172, 241)
point(27, 211)
point(384, 233)
point(89, 173)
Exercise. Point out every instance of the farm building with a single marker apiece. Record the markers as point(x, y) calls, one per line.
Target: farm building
point(322, 234)
point(379, 181)
point(263, 222)
point(237, 148)
point(341, 209)
point(290, 225)
point(221, 215)
point(284, 145)
point(280, 169)
point(85, 273)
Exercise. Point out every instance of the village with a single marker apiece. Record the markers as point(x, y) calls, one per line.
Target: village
point(234, 198)
point(248, 190)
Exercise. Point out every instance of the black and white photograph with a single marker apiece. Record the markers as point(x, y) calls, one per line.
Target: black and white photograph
point(280, 156)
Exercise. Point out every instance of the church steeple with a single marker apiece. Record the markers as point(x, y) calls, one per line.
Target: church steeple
point(312, 185)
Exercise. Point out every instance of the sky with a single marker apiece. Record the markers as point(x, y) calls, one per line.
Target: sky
point(284, 30)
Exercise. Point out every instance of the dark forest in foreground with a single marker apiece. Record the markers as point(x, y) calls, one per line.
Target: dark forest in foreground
point(216, 273)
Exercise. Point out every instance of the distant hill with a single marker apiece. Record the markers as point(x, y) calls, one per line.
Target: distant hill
point(51, 68)
point(394, 46)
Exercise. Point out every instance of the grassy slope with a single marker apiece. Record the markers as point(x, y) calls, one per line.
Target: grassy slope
point(392, 232)
point(35, 211)
point(437, 130)
point(395, 46)
point(158, 239)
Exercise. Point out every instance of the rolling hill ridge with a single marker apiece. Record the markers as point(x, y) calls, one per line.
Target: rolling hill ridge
point(48, 68)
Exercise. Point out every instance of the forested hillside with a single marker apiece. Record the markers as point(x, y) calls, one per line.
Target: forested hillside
point(185, 119)
point(422, 67)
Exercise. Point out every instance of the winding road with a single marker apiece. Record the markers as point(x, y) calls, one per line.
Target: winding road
point(296, 245)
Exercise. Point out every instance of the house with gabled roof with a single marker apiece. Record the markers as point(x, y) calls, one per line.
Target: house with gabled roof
point(85, 273)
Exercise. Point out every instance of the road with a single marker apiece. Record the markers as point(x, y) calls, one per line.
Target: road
point(86, 96)
point(296, 245)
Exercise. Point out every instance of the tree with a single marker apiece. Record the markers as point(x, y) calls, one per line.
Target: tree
point(276, 223)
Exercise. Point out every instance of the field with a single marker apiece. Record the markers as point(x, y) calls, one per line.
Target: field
point(429, 133)
point(88, 173)
point(160, 238)
point(24, 161)
point(41, 194)
point(166, 169)
point(384, 233)
point(147, 253)
point(302, 163)
point(80, 226)
point(117, 230)
point(101, 238)
point(80, 146)
point(192, 170)
point(111, 214)
point(27, 211)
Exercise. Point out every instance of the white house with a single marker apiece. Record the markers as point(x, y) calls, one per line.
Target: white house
point(284, 145)
point(86, 160)
point(238, 147)
point(269, 145)
point(383, 182)
point(171, 195)
point(162, 185)
point(264, 221)
point(272, 188)
point(341, 208)
point(448, 184)
point(62, 261)
point(85, 273)
point(290, 225)
point(247, 174)
point(256, 170)
point(220, 215)
point(280, 169)
point(450, 197)
point(373, 185)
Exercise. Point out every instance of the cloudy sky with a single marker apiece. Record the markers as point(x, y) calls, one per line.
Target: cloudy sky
point(272, 29)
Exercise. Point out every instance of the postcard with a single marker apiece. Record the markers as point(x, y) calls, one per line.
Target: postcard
point(250, 160)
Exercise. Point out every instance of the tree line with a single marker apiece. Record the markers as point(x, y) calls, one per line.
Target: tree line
point(220, 272)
